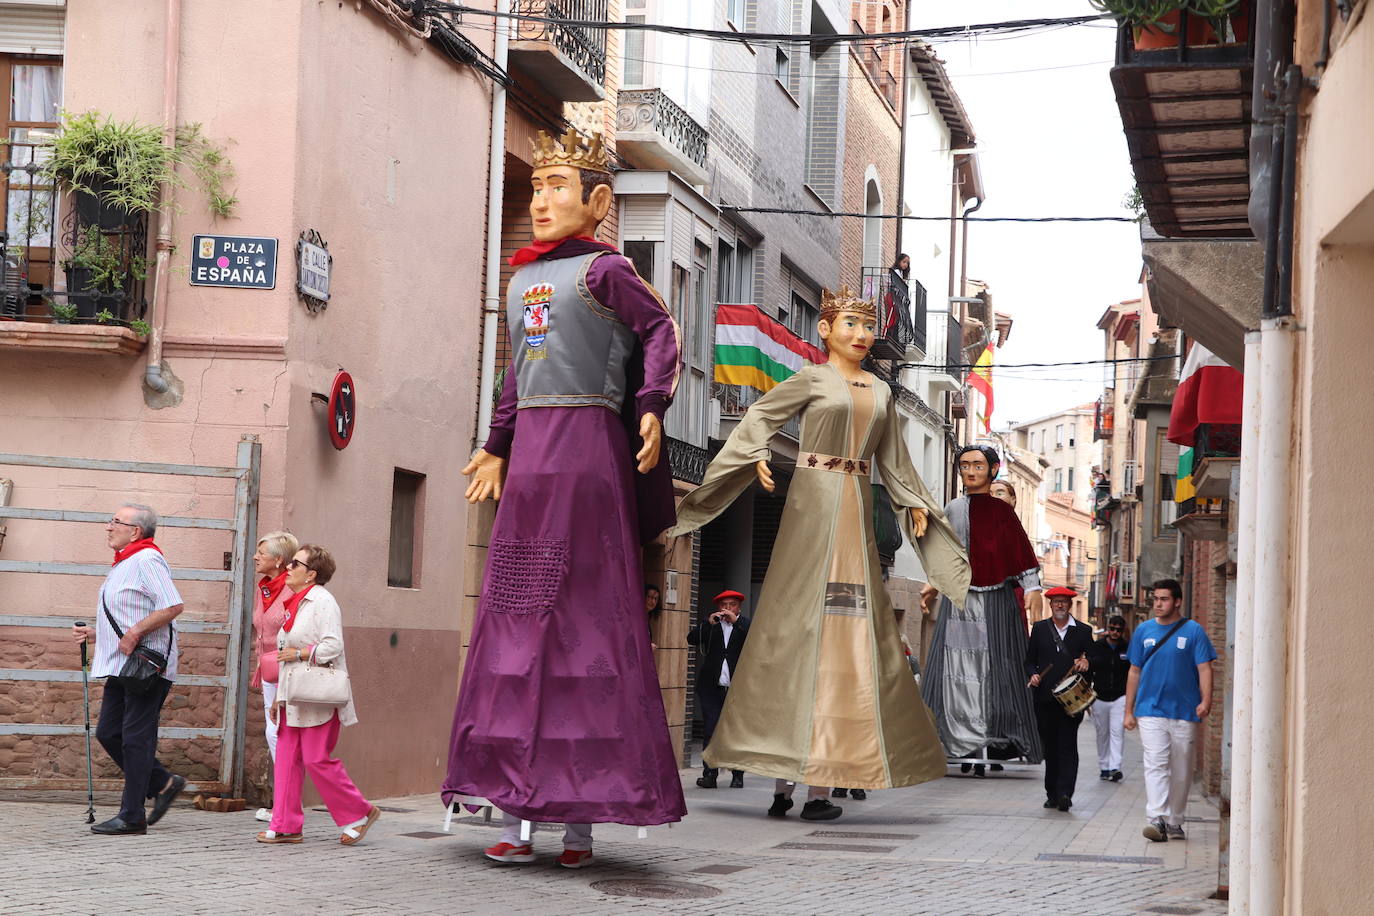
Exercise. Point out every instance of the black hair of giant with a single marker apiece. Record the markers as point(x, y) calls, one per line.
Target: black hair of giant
point(994, 460)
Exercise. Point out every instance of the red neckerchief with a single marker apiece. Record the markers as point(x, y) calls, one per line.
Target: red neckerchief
point(271, 588)
point(292, 604)
point(134, 547)
point(535, 249)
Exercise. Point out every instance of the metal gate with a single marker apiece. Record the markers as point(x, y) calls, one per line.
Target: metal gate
point(235, 627)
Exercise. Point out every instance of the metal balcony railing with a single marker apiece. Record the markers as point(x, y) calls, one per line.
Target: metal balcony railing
point(688, 461)
point(901, 312)
point(643, 109)
point(86, 263)
point(585, 45)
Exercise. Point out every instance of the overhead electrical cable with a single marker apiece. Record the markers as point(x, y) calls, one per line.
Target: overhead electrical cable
point(821, 38)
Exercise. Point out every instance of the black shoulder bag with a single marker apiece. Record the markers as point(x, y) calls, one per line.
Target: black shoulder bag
point(144, 665)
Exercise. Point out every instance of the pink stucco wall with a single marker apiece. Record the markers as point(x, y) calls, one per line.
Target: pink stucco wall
point(336, 122)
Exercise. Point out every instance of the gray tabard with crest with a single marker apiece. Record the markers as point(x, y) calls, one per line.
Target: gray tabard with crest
point(570, 350)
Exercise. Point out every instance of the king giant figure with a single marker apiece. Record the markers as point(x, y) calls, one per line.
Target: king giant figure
point(559, 716)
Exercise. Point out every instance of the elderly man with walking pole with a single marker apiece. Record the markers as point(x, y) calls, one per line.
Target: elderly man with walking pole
point(136, 653)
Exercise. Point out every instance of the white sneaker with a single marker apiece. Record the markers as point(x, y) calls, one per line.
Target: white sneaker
point(264, 815)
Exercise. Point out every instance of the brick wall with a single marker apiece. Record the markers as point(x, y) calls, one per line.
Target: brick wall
point(1205, 572)
point(872, 137)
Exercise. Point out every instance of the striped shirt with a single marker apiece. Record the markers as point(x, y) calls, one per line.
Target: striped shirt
point(134, 589)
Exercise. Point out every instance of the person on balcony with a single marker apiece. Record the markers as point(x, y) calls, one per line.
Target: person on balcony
point(898, 292)
point(559, 716)
point(974, 682)
point(822, 694)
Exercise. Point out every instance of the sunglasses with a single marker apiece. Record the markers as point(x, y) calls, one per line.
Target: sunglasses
point(293, 563)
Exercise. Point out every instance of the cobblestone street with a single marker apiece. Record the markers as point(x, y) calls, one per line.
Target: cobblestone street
point(959, 845)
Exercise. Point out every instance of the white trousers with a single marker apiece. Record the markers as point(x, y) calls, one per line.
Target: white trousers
point(1109, 718)
point(577, 837)
point(1168, 747)
point(269, 696)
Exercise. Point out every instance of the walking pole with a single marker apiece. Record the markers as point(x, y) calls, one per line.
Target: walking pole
point(86, 708)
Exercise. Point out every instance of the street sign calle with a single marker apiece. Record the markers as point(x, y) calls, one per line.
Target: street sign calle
point(313, 263)
point(241, 262)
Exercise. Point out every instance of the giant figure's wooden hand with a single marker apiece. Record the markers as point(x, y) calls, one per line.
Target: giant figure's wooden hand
point(765, 476)
point(919, 520)
point(488, 475)
point(651, 431)
point(930, 595)
point(1035, 604)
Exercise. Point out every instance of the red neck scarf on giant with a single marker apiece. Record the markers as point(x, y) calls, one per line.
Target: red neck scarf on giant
point(537, 249)
point(134, 547)
point(293, 605)
point(271, 587)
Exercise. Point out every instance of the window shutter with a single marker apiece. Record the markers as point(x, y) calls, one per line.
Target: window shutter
point(31, 29)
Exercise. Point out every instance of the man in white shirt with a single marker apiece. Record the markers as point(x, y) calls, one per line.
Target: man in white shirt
point(718, 643)
point(137, 604)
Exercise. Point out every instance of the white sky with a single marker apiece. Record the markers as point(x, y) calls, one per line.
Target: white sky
point(1053, 146)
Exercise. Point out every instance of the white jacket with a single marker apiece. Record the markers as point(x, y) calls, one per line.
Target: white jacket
point(319, 623)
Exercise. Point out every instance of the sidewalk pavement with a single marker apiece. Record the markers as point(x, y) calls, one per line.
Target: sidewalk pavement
point(958, 845)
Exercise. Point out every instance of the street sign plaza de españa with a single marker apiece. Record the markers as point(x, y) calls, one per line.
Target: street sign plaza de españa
point(244, 262)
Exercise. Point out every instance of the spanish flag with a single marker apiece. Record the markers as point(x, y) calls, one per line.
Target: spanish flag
point(980, 380)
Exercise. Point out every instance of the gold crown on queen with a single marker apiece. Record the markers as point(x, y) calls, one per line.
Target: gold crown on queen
point(842, 300)
point(572, 149)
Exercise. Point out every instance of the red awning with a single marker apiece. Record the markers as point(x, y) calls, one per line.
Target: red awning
point(1210, 391)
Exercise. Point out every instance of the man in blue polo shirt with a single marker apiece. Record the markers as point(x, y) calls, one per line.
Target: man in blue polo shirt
point(1168, 691)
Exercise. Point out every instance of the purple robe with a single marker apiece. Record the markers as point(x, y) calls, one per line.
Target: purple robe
point(559, 714)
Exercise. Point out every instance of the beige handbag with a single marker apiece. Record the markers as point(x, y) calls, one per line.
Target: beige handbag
point(319, 685)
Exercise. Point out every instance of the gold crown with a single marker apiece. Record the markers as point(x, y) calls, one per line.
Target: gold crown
point(573, 149)
point(842, 300)
point(538, 294)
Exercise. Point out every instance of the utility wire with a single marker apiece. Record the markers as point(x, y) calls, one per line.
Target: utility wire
point(788, 211)
point(823, 38)
point(1081, 362)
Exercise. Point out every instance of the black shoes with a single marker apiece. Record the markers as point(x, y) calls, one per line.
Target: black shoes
point(115, 826)
point(1065, 803)
point(1104, 774)
point(1050, 803)
point(1116, 776)
point(965, 767)
point(996, 767)
point(781, 805)
point(737, 779)
point(837, 792)
point(980, 771)
point(858, 794)
point(1156, 831)
point(707, 779)
point(820, 809)
point(163, 800)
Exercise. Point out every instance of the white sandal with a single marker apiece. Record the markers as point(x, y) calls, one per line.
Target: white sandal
point(353, 834)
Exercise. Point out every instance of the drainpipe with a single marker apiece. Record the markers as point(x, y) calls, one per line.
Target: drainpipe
point(496, 190)
point(171, 56)
point(1242, 655)
point(1269, 674)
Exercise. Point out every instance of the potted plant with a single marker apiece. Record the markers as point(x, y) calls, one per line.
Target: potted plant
point(1229, 19)
point(1155, 23)
point(124, 165)
point(115, 173)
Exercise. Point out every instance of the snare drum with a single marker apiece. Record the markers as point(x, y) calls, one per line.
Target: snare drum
point(1075, 694)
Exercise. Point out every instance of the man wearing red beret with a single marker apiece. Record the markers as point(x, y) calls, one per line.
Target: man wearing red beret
point(718, 643)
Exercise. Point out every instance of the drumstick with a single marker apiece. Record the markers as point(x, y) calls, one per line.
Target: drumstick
point(1042, 673)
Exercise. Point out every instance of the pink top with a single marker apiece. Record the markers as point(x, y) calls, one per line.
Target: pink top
point(266, 623)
